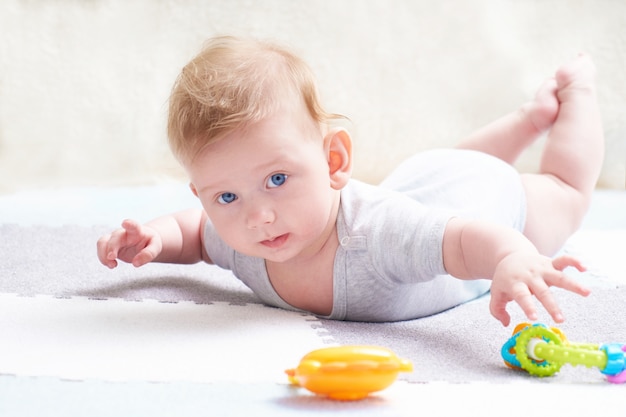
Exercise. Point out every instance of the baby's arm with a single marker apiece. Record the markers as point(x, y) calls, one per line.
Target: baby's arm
point(475, 249)
point(175, 238)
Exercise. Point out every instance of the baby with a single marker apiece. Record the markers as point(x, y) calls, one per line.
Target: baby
point(280, 210)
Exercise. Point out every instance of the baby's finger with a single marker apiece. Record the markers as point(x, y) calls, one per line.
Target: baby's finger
point(564, 261)
point(561, 280)
point(116, 242)
point(133, 230)
point(146, 255)
point(104, 252)
point(524, 298)
point(546, 298)
point(498, 310)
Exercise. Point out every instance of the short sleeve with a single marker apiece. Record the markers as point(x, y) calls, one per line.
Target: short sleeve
point(403, 237)
point(407, 241)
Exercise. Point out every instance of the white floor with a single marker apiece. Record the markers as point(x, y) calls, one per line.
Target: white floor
point(116, 340)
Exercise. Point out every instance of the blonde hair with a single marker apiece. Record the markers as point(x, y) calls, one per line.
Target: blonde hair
point(231, 83)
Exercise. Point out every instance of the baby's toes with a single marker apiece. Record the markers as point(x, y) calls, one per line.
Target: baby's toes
point(578, 73)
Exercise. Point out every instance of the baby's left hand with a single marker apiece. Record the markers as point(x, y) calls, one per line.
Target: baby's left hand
point(520, 275)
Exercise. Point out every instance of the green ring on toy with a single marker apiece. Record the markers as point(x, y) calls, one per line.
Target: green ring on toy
point(531, 365)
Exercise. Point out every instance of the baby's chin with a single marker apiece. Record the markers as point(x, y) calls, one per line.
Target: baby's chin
point(274, 256)
point(278, 258)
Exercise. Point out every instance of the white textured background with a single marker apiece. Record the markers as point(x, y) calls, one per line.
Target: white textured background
point(84, 83)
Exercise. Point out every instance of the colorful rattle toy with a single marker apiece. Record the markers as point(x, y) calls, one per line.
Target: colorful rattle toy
point(541, 351)
point(348, 372)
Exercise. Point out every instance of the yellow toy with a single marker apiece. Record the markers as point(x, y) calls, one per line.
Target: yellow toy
point(348, 372)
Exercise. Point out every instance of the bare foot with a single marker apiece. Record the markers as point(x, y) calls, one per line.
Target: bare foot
point(507, 137)
point(576, 76)
point(542, 111)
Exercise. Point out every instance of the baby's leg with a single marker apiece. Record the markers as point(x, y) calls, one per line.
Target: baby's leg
point(508, 136)
point(558, 197)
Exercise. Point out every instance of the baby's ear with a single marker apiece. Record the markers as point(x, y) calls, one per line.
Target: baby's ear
point(193, 189)
point(338, 147)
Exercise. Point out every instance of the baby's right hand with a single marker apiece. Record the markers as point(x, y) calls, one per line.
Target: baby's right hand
point(132, 243)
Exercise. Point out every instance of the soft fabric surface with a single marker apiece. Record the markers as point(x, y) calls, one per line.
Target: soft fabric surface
point(117, 340)
point(460, 345)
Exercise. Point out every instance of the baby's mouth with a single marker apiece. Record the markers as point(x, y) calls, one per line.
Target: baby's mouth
point(276, 241)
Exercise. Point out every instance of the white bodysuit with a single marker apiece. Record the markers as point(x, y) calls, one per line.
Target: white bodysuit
point(389, 263)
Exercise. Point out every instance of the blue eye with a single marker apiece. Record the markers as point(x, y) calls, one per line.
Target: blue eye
point(226, 198)
point(276, 180)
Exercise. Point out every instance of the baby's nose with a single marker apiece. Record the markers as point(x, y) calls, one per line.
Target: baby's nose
point(260, 215)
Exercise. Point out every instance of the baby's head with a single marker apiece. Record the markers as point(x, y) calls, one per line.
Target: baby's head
point(231, 84)
point(246, 123)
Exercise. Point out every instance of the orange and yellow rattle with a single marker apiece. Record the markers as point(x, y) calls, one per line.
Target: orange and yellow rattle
point(348, 372)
